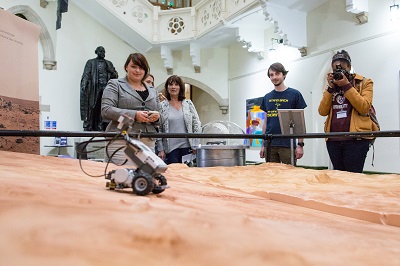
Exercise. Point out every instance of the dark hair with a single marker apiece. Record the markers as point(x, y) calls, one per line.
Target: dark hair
point(150, 75)
point(278, 67)
point(140, 60)
point(175, 79)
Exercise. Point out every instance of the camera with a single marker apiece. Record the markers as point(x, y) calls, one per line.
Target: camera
point(337, 75)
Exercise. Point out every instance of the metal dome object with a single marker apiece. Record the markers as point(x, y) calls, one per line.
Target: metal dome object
point(222, 127)
point(221, 152)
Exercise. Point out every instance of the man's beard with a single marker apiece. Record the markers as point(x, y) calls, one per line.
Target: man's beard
point(278, 84)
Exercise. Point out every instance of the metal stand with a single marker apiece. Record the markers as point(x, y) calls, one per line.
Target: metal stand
point(291, 126)
point(288, 118)
point(58, 147)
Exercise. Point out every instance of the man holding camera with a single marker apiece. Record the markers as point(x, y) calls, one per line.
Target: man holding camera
point(346, 103)
point(281, 97)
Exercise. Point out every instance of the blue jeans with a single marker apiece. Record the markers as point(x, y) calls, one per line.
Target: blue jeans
point(176, 155)
point(348, 155)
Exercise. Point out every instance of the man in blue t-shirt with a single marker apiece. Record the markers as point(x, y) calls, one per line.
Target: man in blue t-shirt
point(281, 97)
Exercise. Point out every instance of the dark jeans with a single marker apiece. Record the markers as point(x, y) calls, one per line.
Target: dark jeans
point(348, 155)
point(175, 156)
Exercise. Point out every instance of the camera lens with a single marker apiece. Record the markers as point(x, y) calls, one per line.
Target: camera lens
point(337, 75)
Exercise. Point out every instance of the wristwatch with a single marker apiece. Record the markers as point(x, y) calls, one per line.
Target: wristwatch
point(301, 144)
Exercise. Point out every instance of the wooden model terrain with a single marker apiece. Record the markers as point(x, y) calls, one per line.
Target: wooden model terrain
point(51, 213)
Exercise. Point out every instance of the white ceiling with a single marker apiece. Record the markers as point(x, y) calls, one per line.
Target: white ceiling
point(222, 36)
point(227, 34)
point(300, 5)
point(255, 20)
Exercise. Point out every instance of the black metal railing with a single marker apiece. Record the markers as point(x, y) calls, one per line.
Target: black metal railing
point(266, 137)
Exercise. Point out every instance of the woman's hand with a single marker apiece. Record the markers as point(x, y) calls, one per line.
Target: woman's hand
point(329, 78)
point(161, 154)
point(142, 116)
point(341, 82)
point(153, 116)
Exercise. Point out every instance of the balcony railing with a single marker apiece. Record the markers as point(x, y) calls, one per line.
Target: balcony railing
point(170, 4)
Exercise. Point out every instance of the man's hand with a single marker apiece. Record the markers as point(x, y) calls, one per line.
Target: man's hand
point(262, 152)
point(299, 152)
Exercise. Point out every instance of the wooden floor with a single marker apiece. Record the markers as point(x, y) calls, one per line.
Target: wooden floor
point(51, 213)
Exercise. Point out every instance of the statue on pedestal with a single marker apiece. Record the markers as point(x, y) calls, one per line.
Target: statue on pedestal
point(98, 71)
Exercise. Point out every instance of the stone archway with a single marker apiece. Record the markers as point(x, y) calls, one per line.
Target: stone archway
point(49, 61)
point(222, 103)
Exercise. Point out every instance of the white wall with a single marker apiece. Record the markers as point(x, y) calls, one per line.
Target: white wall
point(207, 107)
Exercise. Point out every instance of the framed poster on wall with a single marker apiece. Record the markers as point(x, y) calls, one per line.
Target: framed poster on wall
point(254, 120)
point(19, 89)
